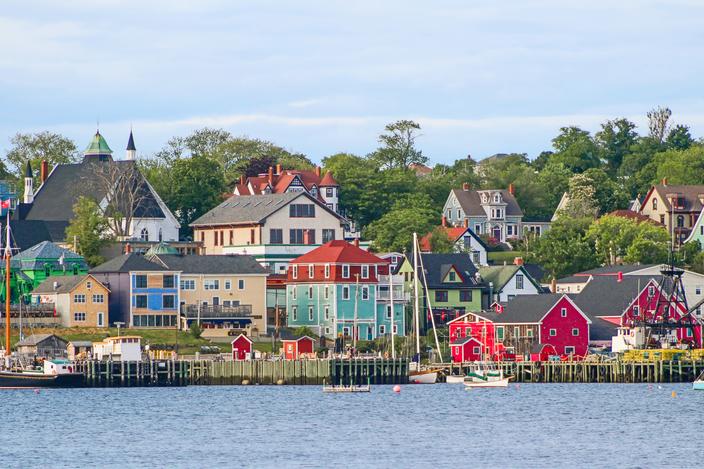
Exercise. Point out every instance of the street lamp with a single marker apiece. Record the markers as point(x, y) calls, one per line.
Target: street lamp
point(118, 325)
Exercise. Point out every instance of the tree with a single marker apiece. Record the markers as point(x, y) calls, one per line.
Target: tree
point(612, 236)
point(200, 188)
point(615, 140)
point(54, 148)
point(564, 249)
point(582, 202)
point(680, 166)
point(658, 120)
point(679, 138)
point(398, 146)
point(553, 180)
point(88, 230)
point(647, 251)
point(440, 242)
point(394, 231)
point(575, 149)
point(608, 195)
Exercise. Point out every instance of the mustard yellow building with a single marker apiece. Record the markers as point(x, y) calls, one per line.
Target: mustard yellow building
point(80, 301)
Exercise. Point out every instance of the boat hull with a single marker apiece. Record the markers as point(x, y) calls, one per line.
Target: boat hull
point(499, 383)
point(454, 379)
point(698, 385)
point(25, 380)
point(423, 377)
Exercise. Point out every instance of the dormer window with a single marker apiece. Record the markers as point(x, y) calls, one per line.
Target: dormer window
point(655, 204)
point(497, 198)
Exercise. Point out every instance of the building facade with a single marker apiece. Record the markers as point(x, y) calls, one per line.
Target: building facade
point(80, 301)
point(678, 207)
point(463, 239)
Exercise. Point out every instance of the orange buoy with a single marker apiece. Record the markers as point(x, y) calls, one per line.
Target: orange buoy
point(674, 394)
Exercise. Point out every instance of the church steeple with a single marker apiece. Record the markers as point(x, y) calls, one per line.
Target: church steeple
point(131, 153)
point(99, 148)
point(28, 184)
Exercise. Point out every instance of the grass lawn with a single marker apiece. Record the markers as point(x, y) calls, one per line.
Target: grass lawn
point(498, 257)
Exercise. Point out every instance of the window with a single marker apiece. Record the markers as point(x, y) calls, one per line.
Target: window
point(465, 296)
point(636, 310)
point(388, 311)
point(294, 271)
point(140, 301)
point(382, 329)
point(188, 284)
point(327, 313)
point(328, 235)
point(310, 313)
point(395, 329)
point(326, 292)
point(516, 332)
point(240, 284)
point(365, 271)
point(698, 289)
point(441, 296)
point(101, 319)
point(467, 242)
point(459, 214)
point(651, 291)
point(232, 238)
point(475, 257)
point(346, 331)
point(211, 284)
point(345, 271)
point(295, 236)
point(478, 229)
point(553, 332)
point(327, 271)
point(575, 332)
point(276, 236)
point(89, 284)
point(452, 276)
point(345, 293)
point(140, 281)
point(294, 312)
point(327, 331)
point(680, 221)
point(79, 317)
point(169, 301)
point(293, 292)
point(563, 312)
point(144, 235)
point(311, 271)
point(79, 298)
point(519, 282)
point(655, 203)
point(569, 350)
point(168, 281)
point(467, 332)
point(365, 293)
point(301, 211)
point(500, 332)
point(529, 333)
point(311, 237)
point(310, 292)
point(98, 298)
point(228, 285)
point(329, 192)
point(476, 350)
point(662, 219)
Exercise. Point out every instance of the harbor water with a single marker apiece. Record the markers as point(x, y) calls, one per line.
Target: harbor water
point(442, 425)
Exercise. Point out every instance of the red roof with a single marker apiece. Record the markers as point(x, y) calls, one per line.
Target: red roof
point(453, 232)
point(338, 252)
point(328, 180)
point(630, 214)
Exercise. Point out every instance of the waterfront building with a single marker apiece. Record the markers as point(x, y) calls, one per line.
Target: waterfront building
point(274, 228)
point(42, 346)
point(79, 300)
point(494, 213)
point(143, 293)
point(505, 282)
point(107, 181)
point(79, 349)
point(463, 239)
point(338, 287)
point(125, 348)
point(241, 347)
point(300, 347)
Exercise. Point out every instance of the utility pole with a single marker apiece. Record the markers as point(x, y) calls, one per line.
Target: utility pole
point(391, 300)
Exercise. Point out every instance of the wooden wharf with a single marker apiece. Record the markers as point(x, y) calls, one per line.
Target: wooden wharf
point(133, 373)
point(660, 371)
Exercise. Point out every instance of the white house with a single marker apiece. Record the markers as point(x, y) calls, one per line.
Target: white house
point(125, 348)
point(508, 281)
point(464, 240)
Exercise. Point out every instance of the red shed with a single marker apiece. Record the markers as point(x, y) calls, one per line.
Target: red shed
point(542, 352)
point(466, 349)
point(241, 346)
point(293, 348)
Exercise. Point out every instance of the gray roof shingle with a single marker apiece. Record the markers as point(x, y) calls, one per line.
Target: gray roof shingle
point(437, 265)
point(63, 284)
point(129, 263)
point(222, 264)
point(470, 201)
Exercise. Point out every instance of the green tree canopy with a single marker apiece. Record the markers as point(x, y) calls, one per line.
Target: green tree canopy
point(88, 231)
point(394, 231)
point(54, 148)
point(565, 249)
point(398, 146)
point(681, 166)
point(440, 242)
point(575, 149)
point(615, 140)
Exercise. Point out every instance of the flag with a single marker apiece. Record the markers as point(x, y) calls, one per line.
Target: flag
point(5, 204)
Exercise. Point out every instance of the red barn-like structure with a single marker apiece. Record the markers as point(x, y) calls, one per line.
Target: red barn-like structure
point(542, 352)
point(241, 346)
point(466, 349)
point(294, 348)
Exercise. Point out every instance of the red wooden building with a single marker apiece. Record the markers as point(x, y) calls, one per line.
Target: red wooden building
point(294, 348)
point(466, 349)
point(542, 352)
point(241, 347)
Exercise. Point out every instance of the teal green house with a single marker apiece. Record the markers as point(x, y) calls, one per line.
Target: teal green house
point(697, 233)
point(338, 288)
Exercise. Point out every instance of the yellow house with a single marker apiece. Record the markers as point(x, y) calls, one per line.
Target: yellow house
point(675, 206)
point(80, 301)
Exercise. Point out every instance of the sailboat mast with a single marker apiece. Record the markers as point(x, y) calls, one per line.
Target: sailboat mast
point(8, 254)
point(391, 300)
point(416, 306)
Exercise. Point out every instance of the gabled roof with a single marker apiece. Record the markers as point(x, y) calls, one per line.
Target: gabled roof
point(688, 193)
point(454, 233)
point(615, 269)
point(631, 215)
point(243, 209)
point(499, 275)
point(607, 296)
point(328, 180)
point(36, 339)
point(39, 254)
point(338, 252)
point(217, 264)
point(130, 262)
point(464, 340)
point(471, 202)
point(437, 265)
point(64, 284)
point(27, 233)
point(525, 308)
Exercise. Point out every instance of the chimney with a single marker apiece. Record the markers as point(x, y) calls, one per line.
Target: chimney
point(356, 242)
point(465, 186)
point(242, 180)
point(278, 168)
point(518, 261)
point(664, 181)
point(128, 248)
point(317, 171)
point(553, 285)
point(466, 222)
point(619, 277)
point(510, 189)
point(444, 220)
point(271, 176)
point(43, 171)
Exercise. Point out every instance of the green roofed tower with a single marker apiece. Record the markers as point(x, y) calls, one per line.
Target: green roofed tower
point(98, 147)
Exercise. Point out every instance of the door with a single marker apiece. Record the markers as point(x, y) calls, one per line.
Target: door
point(370, 332)
point(216, 301)
point(101, 320)
point(497, 232)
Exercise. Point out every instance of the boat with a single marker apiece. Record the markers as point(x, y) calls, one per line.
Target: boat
point(484, 375)
point(698, 384)
point(454, 379)
point(341, 388)
point(423, 377)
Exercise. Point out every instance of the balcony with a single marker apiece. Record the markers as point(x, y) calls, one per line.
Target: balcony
point(398, 296)
point(216, 312)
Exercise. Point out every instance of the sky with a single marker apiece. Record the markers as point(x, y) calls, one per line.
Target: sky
point(321, 77)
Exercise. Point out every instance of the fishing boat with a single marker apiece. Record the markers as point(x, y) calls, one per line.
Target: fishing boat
point(341, 388)
point(52, 373)
point(454, 379)
point(486, 375)
point(698, 384)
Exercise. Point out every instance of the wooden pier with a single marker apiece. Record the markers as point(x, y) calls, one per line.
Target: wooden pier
point(662, 371)
point(127, 374)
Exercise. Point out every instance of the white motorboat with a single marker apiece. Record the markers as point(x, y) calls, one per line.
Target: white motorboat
point(485, 375)
point(454, 379)
point(698, 384)
point(423, 377)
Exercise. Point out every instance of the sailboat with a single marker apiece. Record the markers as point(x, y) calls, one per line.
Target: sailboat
point(698, 384)
point(416, 374)
point(53, 373)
